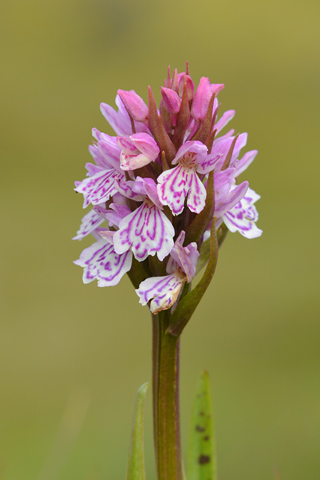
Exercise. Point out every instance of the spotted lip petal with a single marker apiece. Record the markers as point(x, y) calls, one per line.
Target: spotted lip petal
point(101, 262)
point(163, 290)
point(197, 194)
point(89, 223)
point(175, 184)
point(146, 231)
point(100, 187)
point(243, 215)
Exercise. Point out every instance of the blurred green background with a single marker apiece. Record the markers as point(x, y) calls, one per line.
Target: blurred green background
point(73, 356)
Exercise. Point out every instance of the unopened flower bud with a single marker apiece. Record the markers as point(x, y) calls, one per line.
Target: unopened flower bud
point(171, 100)
point(134, 105)
point(185, 79)
point(201, 99)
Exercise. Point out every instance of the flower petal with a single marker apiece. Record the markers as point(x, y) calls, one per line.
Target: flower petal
point(201, 99)
point(100, 187)
point(188, 257)
point(146, 144)
point(173, 186)
point(146, 231)
point(147, 186)
point(132, 162)
point(224, 120)
point(207, 163)
point(229, 201)
point(89, 222)
point(119, 121)
point(192, 146)
point(197, 193)
point(100, 261)
point(163, 290)
point(243, 215)
point(246, 160)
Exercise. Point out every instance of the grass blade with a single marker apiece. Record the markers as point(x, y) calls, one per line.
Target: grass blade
point(135, 469)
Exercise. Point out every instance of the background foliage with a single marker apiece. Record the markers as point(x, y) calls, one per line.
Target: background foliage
point(73, 356)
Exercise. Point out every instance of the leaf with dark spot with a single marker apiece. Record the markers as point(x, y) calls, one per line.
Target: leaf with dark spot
point(200, 429)
point(201, 459)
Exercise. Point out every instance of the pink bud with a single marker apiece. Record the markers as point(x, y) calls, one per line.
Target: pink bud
point(185, 79)
point(134, 105)
point(171, 100)
point(201, 99)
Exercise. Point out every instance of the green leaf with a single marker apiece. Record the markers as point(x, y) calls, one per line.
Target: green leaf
point(135, 470)
point(201, 462)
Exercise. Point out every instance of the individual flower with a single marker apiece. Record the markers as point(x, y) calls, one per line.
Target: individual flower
point(100, 261)
point(100, 185)
point(147, 230)
point(137, 151)
point(175, 184)
point(164, 291)
point(242, 217)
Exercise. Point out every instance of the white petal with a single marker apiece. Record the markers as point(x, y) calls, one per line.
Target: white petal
point(173, 186)
point(163, 290)
point(146, 231)
point(89, 222)
point(100, 187)
point(100, 261)
point(243, 215)
point(197, 194)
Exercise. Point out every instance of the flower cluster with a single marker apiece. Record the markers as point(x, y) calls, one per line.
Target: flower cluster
point(162, 181)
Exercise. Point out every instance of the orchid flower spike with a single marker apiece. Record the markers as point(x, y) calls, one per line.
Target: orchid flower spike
point(161, 187)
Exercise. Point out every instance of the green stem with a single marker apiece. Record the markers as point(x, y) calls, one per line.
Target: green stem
point(166, 415)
